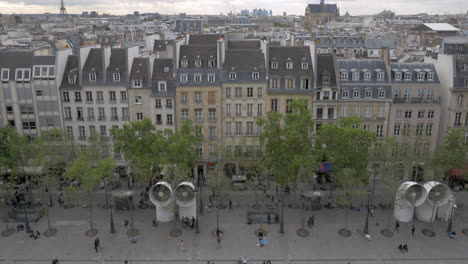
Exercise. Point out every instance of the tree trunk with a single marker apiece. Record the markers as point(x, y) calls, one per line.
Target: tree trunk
point(91, 213)
point(389, 216)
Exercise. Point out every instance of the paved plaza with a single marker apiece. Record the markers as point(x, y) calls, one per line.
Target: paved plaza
point(154, 245)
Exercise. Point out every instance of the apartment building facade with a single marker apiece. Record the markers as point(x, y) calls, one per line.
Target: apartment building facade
point(365, 92)
point(325, 102)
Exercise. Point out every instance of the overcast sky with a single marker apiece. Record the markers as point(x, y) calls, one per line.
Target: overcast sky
point(214, 7)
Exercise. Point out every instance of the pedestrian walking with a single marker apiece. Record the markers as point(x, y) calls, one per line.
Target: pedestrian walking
point(97, 244)
point(218, 240)
point(312, 220)
point(400, 247)
point(372, 213)
point(269, 219)
point(201, 209)
point(55, 261)
point(230, 204)
point(182, 245)
point(397, 226)
point(126, 223)
point(309, 224)
point(405, 247)
point(412, 230)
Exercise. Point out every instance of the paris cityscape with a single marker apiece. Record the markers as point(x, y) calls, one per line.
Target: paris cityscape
point(233, 132)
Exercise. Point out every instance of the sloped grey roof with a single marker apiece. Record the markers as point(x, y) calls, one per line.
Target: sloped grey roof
point(244, 44)
point(204, 39)
point(325, 8)
point(139, 69)
point(158, 69)
point(160, 44)
point(15, 59)
point(118, 60)
point(414, 68)
point(244, 60)
point(460, 75)
point(198, 52)
point(360, 66)
point(326, 64)
point(71, 68)
point(382, 43)
point(94, 62)
point(44, 60)
point(296, 55)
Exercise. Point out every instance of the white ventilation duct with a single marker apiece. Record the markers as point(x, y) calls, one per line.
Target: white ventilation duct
point(409, 195)
point(185, 197)
point(438, 195)
point(162, 197)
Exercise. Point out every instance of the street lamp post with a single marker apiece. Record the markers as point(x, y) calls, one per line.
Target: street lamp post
point(197, 228)
point(452, 207)
point(282, 214)
point(366, 226)
point(112, 227)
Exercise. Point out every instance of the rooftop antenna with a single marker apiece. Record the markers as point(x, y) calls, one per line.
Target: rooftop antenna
point(63, 11)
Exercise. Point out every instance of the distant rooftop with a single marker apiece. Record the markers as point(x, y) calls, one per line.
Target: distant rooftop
point(441, 27)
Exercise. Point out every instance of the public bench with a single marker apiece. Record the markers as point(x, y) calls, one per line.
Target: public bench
point(262, 217)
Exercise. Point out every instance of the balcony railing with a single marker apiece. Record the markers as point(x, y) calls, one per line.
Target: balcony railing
point(100, 101)
point(102, 118)
point(125, 118)
point(80, 118)
point(90, 118)
point(416, 100)
point(169, 123)
point(169, 106)
point(114, 118)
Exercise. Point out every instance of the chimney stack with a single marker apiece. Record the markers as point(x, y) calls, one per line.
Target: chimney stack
point(386, 56)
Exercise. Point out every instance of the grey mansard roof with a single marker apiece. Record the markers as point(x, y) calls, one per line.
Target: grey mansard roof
point(244, 60)
point(361, 66)
point(94, 62)
point(296, 55)
point(159, 67)
point(244, 44)
point(204, 39)
point(118, 60)
point(44, 60)
point(198, 52)
point(139, 69)
point(414, 68)
point(71, 68)
point(13, 60)
point(460, 75)
point(326, 64)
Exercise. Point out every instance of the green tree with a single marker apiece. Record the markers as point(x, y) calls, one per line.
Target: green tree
point(14, 157)
point(53, 154)
point(453, 155)
point(288, 144)
point(347, 148)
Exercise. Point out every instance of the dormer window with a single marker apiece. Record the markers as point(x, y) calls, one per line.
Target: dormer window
point(116, 77)
point(255, 75)
point(5, 75)
point(289, 65)
point(380, 76)
point(162, 86)
point(368, 93)
point(183, 78)
point(198, 63)
point(137, 83)
point(274, 65)
point(381, 93)
point(304, 65)
point(397, 76)
point(420, 76)
point(430, 76)
point(184, 63)
point(71, 79)
point(407, 76)
point(345, 94)
point(211, 63)
point(355, 76)
point(166, 69)
point(197, 78)
point(326, 79)
point(211, 78)
point(356, 94)
point(92, 77)
point(23, 75)
point(344, 76)
point(367, 76)
point(465, 67)
point(232, 76)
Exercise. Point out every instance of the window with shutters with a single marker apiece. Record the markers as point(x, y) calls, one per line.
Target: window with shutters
point(211, 97)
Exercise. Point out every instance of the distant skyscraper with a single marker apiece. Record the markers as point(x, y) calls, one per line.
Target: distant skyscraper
point(63, 11)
